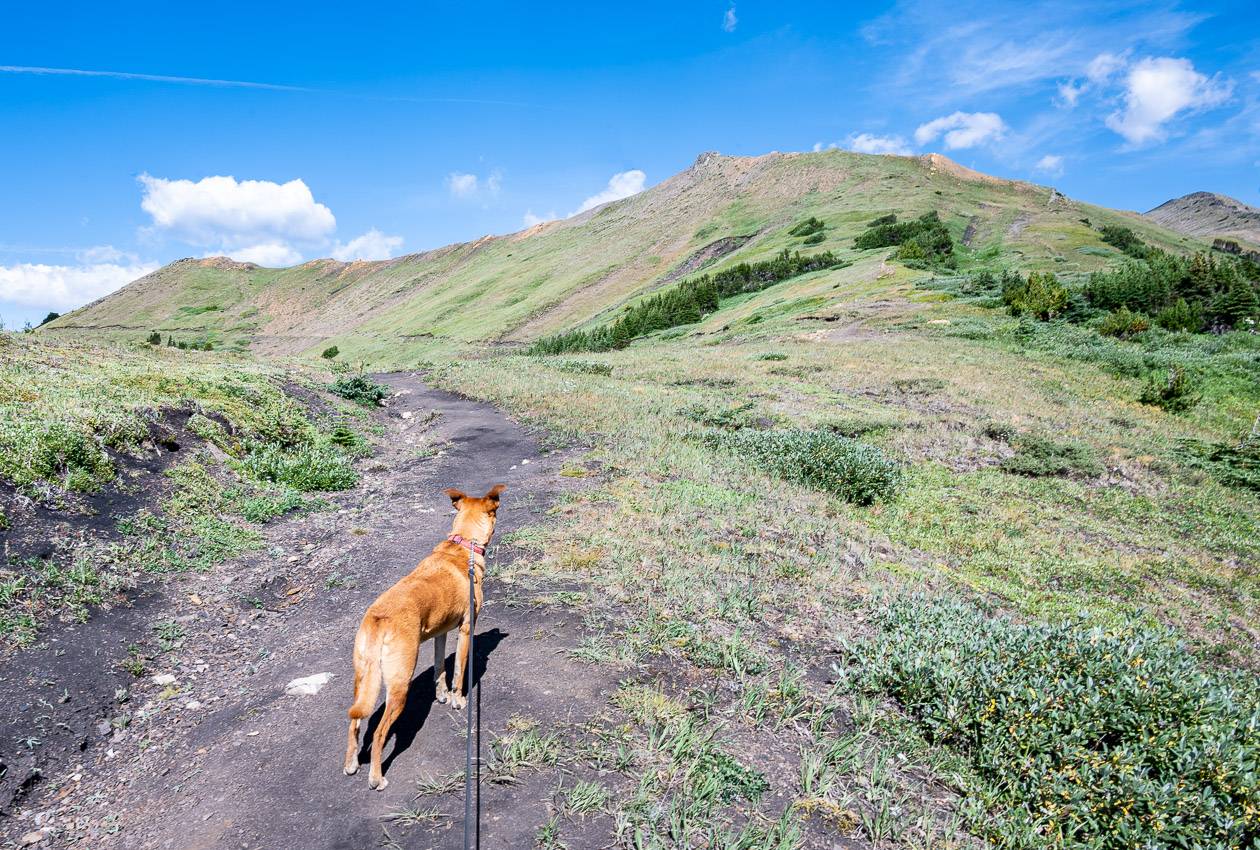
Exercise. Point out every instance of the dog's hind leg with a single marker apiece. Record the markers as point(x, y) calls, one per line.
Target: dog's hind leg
point(439, 667)
point(367, 685)
point(398, 664)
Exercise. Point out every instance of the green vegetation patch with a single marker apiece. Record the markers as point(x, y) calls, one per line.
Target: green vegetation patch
point(686, 303)
point(360, 389)
point(1039, 456)
point(922, 242)
point(1085, 737)
point(855, 471)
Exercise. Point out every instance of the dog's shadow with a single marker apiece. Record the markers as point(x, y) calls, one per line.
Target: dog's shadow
point(422, 696)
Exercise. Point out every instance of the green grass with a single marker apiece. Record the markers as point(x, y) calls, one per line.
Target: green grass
point(73, 415)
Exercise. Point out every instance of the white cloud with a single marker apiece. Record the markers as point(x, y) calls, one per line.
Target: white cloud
point(466, 186)
point(372, 245)
point(869, 143)
point(105, 254)
point(623, 184)
point(530, 219)
point(1156, 91)
point(962, 129)
point(64, 288)
point(1051, 164)
point(1098, 72)
point(270, 254)
point(224, 212)
point(729, 21)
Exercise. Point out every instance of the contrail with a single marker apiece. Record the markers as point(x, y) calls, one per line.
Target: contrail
point(242, 84)
point(153, 78)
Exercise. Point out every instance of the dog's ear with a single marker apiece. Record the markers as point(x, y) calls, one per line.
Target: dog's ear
point(455, 495)
point(493, 495)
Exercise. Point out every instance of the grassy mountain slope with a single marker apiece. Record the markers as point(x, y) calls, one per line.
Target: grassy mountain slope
point(560, 274)
point(1059, 583)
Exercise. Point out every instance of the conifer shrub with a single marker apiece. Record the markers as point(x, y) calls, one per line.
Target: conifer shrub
point(1173, 390)
point(360, 389)
point(924, 239)
point(330, 352)
point(814, 238)
point(154, 338)
point(1040, 296)
point(819, 458)
point(808, 227)
point(1123, 323)
point(1180, 316)
point(1085, 737)
point(686, 303)
point(1123, 238)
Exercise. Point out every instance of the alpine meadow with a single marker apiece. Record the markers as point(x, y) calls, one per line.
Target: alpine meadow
point(852, 499)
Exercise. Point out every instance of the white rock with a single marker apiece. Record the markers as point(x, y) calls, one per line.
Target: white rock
point(32, 838)
point(192, 705)
point(164, 679)
point(406, 414)
point(307, 686)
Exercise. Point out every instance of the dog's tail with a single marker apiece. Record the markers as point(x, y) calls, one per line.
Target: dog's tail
point(367, 665)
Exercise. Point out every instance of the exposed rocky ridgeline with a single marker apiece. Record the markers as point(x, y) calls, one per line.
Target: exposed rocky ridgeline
point(1210, 214)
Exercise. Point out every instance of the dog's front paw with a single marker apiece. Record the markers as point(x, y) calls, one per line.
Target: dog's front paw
point(458, 701)
point(350, 768)
point(443, 697)
point(379, 785)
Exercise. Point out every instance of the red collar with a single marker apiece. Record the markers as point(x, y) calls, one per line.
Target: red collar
point(459, 540)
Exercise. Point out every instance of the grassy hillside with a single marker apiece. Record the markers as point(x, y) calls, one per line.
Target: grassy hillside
point(937, 565)
point(556, 275)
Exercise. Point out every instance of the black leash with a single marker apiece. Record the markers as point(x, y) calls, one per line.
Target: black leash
point(472, 827)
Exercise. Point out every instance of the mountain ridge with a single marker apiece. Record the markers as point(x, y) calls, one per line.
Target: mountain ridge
point(1210, 214)
point(513, 288)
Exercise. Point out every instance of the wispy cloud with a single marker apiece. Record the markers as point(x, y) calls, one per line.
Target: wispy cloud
point(962, 129)
point(1051, 164)
point(870, 143)
point(729, 21)
point(467, 186)
point(153, 78)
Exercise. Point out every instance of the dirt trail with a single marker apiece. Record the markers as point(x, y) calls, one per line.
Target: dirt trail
point(223, 758)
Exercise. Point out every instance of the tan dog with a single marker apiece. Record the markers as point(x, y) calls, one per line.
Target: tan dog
point(427, 603)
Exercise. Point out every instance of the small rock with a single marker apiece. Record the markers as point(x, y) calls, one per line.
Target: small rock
point(307, 685)
point(406, 414)
point(164, 679)
point(32, 838)
point(192, 705)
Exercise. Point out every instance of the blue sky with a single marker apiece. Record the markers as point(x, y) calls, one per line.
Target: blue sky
point(283, 134)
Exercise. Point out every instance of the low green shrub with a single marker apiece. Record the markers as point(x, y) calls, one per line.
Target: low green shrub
point(730, 418)
point(808, 227)
point(1124, 239)
point(1085, 737)
point(1174, 391)
point(304, 468)
point(1037, 456)
point(582, 367)
point(268, 505)
point(771, 355)
point(852, 470)
point(1040, 296)
point(1232, 465)
point(61, 452)
point(330, 352)
point(1180, 316)
point(814, 239)
point(1123, 323)
point(360, 389)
